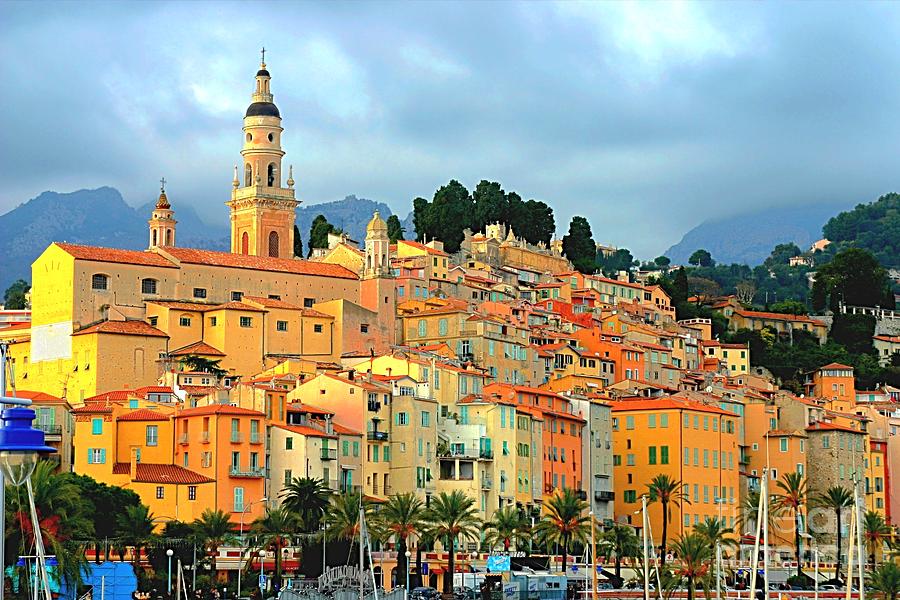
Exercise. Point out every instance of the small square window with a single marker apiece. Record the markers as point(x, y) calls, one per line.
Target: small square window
point(192, 492)
point(317, 328)
point(364, 328)
point(99, 282)
point(160, 492)
point(281, 325)
point(237, 296)
point(199, 292)
point(308, 302)
point(184, 321)
point(246, 322)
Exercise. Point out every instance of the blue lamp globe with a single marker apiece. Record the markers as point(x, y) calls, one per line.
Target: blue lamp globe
point(20, 444)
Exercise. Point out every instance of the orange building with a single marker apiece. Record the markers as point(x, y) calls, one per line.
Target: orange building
point(562, 431)
point(628, 359)
point(834, 382)
point(691, 442)
point(227, 444)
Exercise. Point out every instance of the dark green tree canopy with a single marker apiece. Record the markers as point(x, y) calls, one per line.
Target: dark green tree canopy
point(298, 242)
point(854, 278)
point(620, 260)
point(579, 245)
point(874, 227)
point(14, 296)
point(395, 229)
point(318, 233)
point(701, 258)
point(662, 261)
point(782, 253)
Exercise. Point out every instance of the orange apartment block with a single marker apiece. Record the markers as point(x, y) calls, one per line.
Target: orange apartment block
point(562, 431)
point(226, 444)
point(691, 442)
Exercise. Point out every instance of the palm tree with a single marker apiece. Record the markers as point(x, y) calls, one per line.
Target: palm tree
point(836, 498)
point(401, 517)
point(668, 492)
point(214, 529)
point(715, 532)
point(792, 497)
point(275, 530)
point(508, 525)
point(62, 518)
point(308, 498)
point(749, 508)
point(450, 517)
point(695, 554)
point(342, 518)
point(565, 520)
point(886, 580)
point(621, 542)
point(874, 530)
point(136, 529)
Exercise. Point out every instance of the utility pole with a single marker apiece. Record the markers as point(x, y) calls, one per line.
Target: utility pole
point(646, 549)
point(593, 556)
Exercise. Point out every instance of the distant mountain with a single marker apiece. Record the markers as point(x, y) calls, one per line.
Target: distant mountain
point(351, 214)
point(749, 238)
point(98, 217)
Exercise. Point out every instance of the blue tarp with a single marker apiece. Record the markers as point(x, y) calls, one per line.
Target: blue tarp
point(110, 580)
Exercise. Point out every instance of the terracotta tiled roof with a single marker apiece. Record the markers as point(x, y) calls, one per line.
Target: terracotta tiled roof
point(92, 408)
point(153, 389)
point(159, 473)
point(237, 306)
point(307, 431)
point(183, 305)
point(832, 427)
point(835, 366)
point(894, 339)
point(143, 414)
point(297, 407)
point(423, 247)
point(260, 263)
point(115, 255)
point(671, 402)
point(341, 430)
point(754, 314)
point(123, 328)
point(201, 348)
point(36, 397)
point(198, 390)
point(219, 409)
point(272, 303)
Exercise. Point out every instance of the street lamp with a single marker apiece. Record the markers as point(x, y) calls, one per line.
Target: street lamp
point(408, 555)
point(169, 553)
point(20, 446)
point(241, 536)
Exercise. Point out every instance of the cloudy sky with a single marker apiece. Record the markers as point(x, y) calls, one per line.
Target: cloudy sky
point(646, 118)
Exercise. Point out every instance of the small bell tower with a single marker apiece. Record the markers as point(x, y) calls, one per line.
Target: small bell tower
point(162, 222)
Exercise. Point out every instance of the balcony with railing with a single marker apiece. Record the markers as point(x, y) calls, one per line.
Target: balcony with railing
point(251, 472)
point(604, 496)
point(486, 483)
point(329, 453)
point(50, 429)
point(237, 437)
point(255, 437)
point(377, 436)
point(183, 439)
point(204, 437)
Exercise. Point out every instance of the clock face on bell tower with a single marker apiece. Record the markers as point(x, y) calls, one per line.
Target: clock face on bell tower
point(262, 210)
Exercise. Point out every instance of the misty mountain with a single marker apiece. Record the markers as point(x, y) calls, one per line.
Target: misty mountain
point(351, 214)
point(750, 237)
point(98, 217)
point(101, 217)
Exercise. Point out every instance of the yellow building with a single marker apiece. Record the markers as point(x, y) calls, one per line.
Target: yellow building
point(693, 443)
point(734, 357)
point(436, 261)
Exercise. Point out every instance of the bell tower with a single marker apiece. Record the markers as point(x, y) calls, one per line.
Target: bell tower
point(262, 210)
point(162, 222)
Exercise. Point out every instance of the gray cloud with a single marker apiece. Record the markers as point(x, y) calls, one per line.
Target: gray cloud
point(646, 118)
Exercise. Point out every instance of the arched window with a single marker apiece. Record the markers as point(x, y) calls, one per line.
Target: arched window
point(273, 171)
point(148, 286)
point(168, 237)
point(245, 243)
point(273, 244)
point(99, 282)
point(248, 175)
point(154, 238)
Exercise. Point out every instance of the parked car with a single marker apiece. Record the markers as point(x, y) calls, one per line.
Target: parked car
point(424, 593)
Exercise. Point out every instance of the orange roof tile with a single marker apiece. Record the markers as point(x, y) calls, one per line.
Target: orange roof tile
point(219, 409)
point(236, 306)
point(115, 255)
point(143, 414)
point(272, 302)
point(92, 408)
point(260, 263)
point(670, 402)
point(304, 430)
point(832, 427)
point(122, 328)
point(777, 316)
point(36, 397)
point(160, 473)
point(423, 247)
point(340, 429)
point(836, 366)
point(201, 348)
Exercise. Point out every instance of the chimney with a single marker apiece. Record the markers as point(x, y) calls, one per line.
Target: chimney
point(351, 374)
point(388, 371)
point(134, 461)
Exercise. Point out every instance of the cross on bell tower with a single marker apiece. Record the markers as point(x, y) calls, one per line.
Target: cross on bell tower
point(162, 222)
